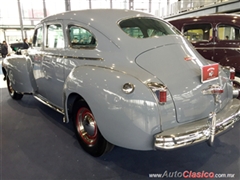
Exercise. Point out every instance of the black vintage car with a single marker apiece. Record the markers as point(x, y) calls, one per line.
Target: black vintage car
point(17, 47)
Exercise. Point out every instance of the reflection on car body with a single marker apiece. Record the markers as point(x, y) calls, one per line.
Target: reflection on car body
point(124, 78)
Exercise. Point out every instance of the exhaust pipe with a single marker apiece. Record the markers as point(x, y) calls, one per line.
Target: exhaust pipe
point(236, 93)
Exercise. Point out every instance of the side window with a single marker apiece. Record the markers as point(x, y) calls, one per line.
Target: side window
point(38, 37)
point(198, 32)
point(55, 37)
point(228, 32)
point(80, 37)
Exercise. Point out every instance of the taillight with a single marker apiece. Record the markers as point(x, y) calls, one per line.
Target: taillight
point(160, 90)
point(230, 71)
point(162, 95)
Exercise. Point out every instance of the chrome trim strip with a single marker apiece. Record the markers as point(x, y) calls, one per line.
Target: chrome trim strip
point(44, 101)
point(198, 131)
point(211, 48)
point(84, 58)
point(73, 57)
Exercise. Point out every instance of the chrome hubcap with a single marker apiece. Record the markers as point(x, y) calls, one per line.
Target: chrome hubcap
point(86, 126)
point(89, 125)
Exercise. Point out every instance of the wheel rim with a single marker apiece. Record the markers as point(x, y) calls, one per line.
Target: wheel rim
point(86, 126)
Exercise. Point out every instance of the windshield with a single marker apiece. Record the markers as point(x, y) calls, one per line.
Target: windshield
point(142, 27)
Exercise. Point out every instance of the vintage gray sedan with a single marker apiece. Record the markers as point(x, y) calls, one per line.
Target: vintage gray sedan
point(124, 78)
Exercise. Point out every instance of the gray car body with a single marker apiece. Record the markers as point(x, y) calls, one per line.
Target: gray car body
point(59, 76)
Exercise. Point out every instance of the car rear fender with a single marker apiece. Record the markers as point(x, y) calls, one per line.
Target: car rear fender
point(232, 61)
point(119, 115)
point(20, 73)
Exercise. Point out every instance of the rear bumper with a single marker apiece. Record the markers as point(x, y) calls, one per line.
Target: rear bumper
point(198, 131)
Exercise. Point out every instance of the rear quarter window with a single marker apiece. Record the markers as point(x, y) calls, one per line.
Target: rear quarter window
point(142, 27)
point(80, 37)
point(228, 32)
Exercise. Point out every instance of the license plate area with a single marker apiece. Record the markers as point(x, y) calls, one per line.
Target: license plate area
point(209, 72)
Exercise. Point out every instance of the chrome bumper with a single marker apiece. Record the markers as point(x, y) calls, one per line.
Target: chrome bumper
point(202, 130)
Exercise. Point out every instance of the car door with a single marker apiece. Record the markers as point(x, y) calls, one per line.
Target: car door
point(52, 67)
point(228, 45)
point(201, 36)
point(81, 46)
point(36, 55)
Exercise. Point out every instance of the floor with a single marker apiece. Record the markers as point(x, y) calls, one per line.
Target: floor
point(36, 145)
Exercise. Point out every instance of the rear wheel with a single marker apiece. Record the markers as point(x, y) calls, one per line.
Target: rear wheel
point(12, 92)
point(88, 134)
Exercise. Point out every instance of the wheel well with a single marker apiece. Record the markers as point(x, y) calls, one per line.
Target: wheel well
point(72, 99)
point(4, 72)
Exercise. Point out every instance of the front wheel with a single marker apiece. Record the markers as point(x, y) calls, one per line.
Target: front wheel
point(88, 134)
point(15, 95)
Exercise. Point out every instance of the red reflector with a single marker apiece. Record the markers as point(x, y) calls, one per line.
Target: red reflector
point(188, 58)
point(217, 91)
point(162, 96)
point(230, 71)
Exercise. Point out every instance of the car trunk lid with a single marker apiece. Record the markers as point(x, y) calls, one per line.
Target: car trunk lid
point(178, 66)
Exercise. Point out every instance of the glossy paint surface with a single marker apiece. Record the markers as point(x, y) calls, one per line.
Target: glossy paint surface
point(182, 79)
point(60, 75)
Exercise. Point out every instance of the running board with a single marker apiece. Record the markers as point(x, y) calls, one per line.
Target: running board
point(42, 100)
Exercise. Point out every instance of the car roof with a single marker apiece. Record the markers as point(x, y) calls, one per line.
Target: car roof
point(104, 20)
point(96, 16)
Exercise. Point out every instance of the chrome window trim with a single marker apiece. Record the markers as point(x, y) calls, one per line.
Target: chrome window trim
point(211, 48)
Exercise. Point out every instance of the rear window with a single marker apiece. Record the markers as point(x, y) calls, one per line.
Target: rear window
point(198, 32)
point(146, 27)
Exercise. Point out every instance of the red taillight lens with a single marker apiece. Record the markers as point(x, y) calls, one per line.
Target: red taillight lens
point(217, 91)
point(160, 90)
point(232, 73)
point(163, 95)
